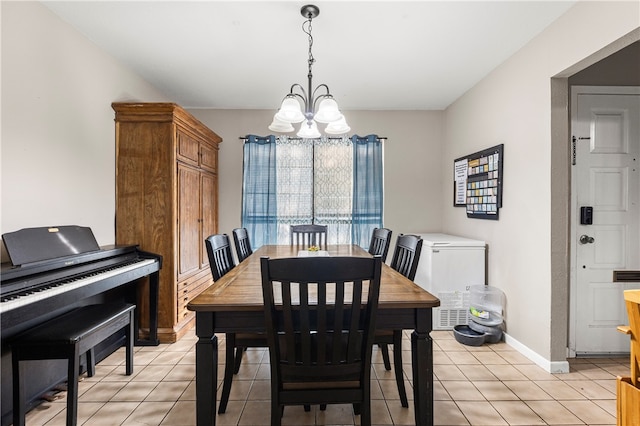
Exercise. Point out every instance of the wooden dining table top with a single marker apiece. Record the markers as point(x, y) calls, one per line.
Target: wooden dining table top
point(241, 288)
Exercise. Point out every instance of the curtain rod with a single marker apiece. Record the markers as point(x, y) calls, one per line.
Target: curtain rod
point(244, 138)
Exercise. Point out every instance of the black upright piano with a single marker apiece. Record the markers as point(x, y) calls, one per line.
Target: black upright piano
point(53, 270)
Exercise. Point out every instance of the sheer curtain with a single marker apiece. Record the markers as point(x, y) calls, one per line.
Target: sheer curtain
point(327, 181)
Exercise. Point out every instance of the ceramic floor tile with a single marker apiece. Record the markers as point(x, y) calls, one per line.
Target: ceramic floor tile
point(401, 415)
point(481, 413)
point(448, 413)
point(112, 414)
point(257, 413)
point(337, 414)
point(439, 392)
point(462, 391)
point(101, 392)
point(589, 412)
point(489, 358)
point(527, 391)
point(85, 411)
point(167, 391)
point(495, 391)
point(484, 385)
point(182, 413)
point(148, 413)
point(517, 413)
point(559, 390)
point(591, 390)
point(476, 372)
point(460, 358)
point(44, 412)
point(448, 372)
point(135, 391)
point(181, 372)
point(507, 372)
point(534, 372)
point(553, 413)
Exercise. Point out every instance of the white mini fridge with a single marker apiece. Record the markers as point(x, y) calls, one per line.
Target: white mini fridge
point(448, 265)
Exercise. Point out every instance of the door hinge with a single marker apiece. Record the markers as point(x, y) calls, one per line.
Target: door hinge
point(573, 147)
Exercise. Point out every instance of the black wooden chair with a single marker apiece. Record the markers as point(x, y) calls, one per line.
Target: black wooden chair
point(405, 260)
point(220, 257)
point(407, 255)
point(321, 334)
point(242, 243)
point(309, 235)
point(221, 262)
point(380, 241)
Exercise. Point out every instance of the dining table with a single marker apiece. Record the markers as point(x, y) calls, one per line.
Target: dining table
point(234, 304)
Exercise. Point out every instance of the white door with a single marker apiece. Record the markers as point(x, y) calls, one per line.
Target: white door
point(606, 178)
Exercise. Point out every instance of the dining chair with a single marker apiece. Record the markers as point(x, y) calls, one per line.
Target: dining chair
point(405, 260)
point(320, 332)
point(309, 235)
point(242, 243)
point(380, 241)
point(220, 257)
point(221, 262)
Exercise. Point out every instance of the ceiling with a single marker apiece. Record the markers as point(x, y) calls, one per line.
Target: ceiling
point(374, 55)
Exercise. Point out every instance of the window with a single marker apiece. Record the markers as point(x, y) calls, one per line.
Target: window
point(328, 181)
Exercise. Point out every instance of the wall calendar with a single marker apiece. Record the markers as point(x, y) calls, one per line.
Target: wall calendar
point(477, 183)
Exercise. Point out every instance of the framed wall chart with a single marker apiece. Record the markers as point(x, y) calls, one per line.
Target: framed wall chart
point(477, 183)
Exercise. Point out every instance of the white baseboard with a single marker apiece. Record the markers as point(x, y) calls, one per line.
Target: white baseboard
point(549, 366)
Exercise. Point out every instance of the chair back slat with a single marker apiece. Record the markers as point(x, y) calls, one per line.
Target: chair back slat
point(407, 255)
point(308, 235)
point(242, 243)
point(219, 253)
point(380, 241)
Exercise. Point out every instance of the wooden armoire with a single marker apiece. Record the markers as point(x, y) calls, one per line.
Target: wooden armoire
point(167, 201)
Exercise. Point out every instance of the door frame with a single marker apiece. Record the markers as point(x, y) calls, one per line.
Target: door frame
point(573, 217)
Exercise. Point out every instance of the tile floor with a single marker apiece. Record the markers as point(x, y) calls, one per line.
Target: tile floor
point(488, 385)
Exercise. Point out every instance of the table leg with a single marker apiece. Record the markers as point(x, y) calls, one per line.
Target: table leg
point(206, 369)
point(422, 360)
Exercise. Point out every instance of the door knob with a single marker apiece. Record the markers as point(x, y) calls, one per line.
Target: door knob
point(585, 239)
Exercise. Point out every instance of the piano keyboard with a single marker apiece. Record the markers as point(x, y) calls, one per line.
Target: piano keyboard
point(11, 302)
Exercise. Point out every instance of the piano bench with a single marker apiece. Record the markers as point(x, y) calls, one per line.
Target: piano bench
point(67, 337)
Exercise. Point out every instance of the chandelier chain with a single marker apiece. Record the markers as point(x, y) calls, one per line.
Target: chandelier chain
point(307, 31)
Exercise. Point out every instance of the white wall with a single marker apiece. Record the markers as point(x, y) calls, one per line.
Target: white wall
point(513, 106)
point(412, 152)
point(58, 155)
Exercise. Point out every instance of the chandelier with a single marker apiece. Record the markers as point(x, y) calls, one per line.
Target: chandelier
point(319, 105)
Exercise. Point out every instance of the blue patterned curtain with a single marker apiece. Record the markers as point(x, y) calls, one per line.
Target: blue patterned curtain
point(335, 182)
point(259, 190)
point(367, 188)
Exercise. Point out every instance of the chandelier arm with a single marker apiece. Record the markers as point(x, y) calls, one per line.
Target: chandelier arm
point(304, 94)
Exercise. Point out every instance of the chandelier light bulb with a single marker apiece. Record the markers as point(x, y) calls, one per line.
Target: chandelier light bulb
point(290, 111)
point(339, 127)
point(309, 130)
point(328, 111)
point(280, 126)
